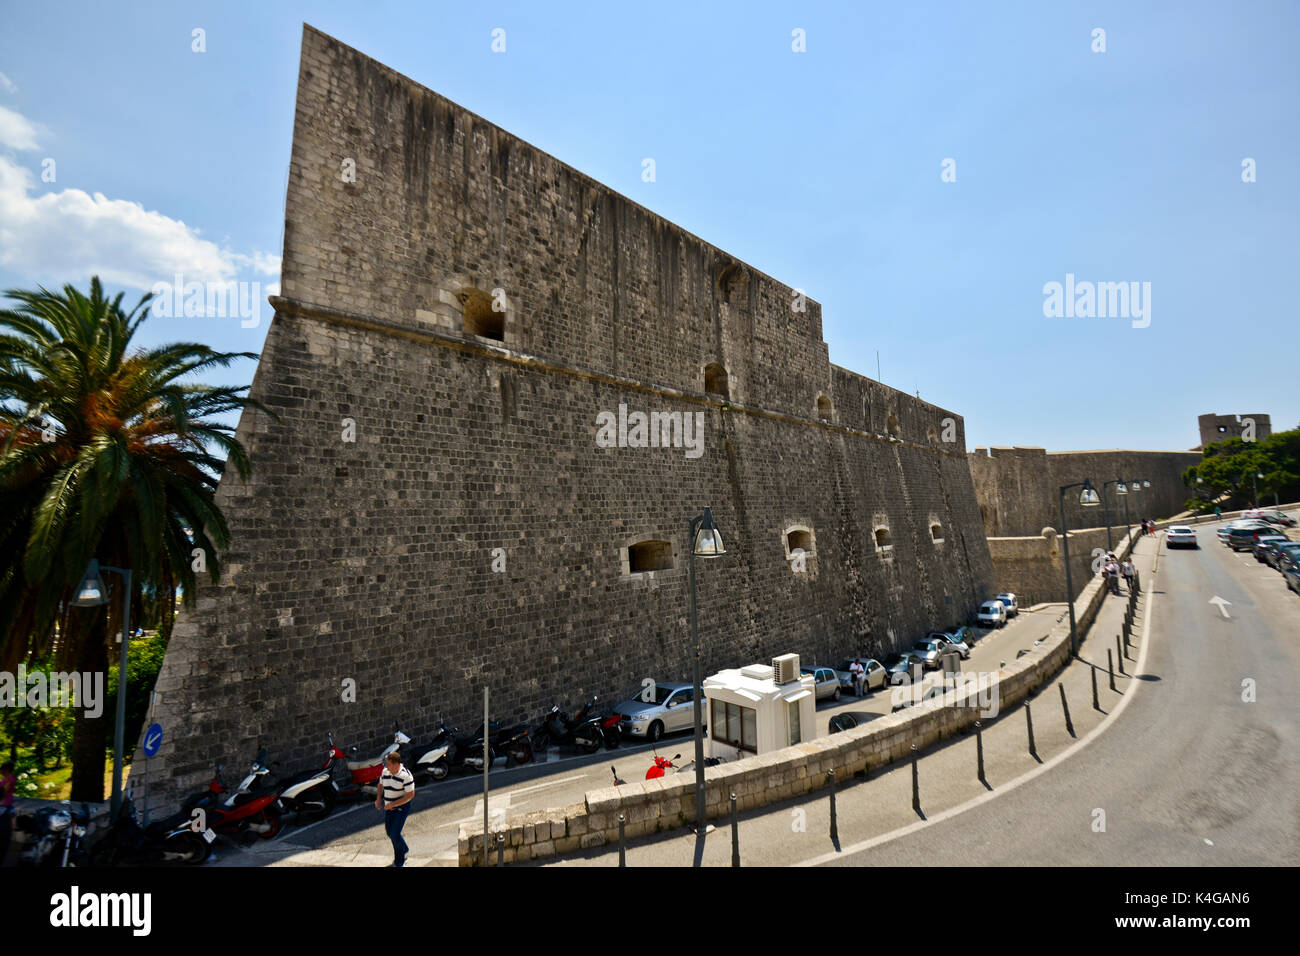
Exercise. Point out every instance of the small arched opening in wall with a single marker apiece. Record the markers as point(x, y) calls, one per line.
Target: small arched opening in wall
point(824, 409)
point(647, 556)
point(891, 425)
point(932, 436)
point(715, 380)
point(481, 315)
point(884, 541)
point(800, 542)
point(936, 531)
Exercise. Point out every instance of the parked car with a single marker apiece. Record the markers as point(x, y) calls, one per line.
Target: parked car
point(1271, 515)
point(875, 674)
point(1263, 543)
point(992, 614)
point(1181, 536)
point(1012, 605)
point(1245, 537)
point(931, 652)
point(967, 635)
point(827, 681)
point(1291, 573)
point(900, 667)
point(1223, 534)
point(1285, 554)
point(957, 643)
point(670, 708)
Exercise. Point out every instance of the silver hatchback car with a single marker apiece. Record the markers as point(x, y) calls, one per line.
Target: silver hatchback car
point(657, 710)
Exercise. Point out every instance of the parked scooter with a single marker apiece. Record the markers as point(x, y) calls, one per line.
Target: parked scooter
point(57, 836)
point(253, 808)
point(582, 732)
point(172, 840)
point(311, 794)
point(363, 775)
point(433, 761)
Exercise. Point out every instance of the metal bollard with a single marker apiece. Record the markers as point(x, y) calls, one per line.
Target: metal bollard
point(1119, 652)
point(1095, 704)
point(1029, 726)
point(835, 830)
point(979, 753)
point(1110, 668)
point(735, 834)
point(916, 784)
point(622, 842)
point(501, 849)
point(1127, 644)
point(1069, 726)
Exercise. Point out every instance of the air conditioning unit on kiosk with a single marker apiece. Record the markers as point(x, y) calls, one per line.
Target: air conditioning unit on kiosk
point(785, 669)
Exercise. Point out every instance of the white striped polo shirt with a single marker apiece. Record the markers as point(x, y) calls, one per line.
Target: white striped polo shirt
point(396, 784)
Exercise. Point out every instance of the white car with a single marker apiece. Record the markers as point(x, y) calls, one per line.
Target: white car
point(1013, 606)
point(992, 614)
point(956, 642)
point(1180, 536)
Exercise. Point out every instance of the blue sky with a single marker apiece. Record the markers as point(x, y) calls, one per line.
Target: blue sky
point(821, 168)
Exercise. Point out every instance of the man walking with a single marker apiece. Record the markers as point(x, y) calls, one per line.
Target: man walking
point(396, 791)
point(1128, 573)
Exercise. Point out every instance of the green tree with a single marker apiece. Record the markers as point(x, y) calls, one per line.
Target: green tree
point(105, 451)
point(1231, 468)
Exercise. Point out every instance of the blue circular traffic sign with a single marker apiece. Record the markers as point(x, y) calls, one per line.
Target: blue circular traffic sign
point(152, 740)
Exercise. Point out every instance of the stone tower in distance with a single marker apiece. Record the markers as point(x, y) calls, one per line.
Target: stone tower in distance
point(1254, 427)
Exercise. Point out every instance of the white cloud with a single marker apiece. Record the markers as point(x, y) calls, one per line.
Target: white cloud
point(69, 235)
point(16, 130)
point(8, 85)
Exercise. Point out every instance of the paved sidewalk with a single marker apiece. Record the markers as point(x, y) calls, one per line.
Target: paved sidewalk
point(877, 807)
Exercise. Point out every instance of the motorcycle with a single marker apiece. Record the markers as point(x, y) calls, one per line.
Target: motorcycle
point(57, 836)
point(172, 840)
point(311, 794)
point(660, 766)
point(583, 732)
point(248, 810)
point(363, 775)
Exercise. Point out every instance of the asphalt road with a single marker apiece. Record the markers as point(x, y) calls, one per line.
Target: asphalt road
point(1190, 773)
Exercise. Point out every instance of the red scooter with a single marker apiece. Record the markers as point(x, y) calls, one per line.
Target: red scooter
point(363, 775)
point(660, 767)
point(252, 809)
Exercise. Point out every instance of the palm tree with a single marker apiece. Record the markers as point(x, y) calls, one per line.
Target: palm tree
point(104, 453)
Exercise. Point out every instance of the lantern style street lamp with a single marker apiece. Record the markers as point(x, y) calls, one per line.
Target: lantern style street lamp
point(92, 593)
point(1087, 499)
point(705, 542)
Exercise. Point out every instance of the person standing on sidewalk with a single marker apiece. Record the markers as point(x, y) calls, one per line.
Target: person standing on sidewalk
point(1128, 573)
point(856, 671)
point(396, 791)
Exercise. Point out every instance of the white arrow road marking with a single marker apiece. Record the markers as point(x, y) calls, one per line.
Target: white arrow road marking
point(1223, 605)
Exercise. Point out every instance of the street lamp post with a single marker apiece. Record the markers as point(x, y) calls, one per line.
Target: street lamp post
point(1135, 485)
point(1120, 489)
point(705, 542)
point(1087, 499)
point(90, 593)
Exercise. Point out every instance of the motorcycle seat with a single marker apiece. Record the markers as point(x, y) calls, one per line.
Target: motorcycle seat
point(362, 764)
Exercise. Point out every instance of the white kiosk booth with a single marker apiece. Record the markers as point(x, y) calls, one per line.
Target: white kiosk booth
point(760, 708)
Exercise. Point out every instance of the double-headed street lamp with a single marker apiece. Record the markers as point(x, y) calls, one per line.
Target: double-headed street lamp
point(91, 593)
point(1135, 485)
point(705, 542)
point(1120, 489)
point(1087, 499)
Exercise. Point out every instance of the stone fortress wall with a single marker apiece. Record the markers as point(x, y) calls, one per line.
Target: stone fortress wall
point(1019, 487)
point(434, 510)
